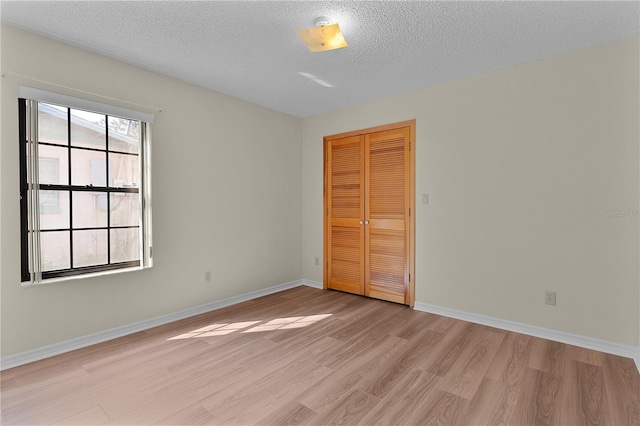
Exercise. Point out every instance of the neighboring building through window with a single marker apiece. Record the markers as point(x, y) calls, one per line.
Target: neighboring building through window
point(48, 172)
point(88, 174)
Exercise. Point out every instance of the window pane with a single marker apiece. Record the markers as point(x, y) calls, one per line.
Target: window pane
point(89, 209)
point(125, 245)
point(89, 247)
point(53, 164)
point(52, 124)
point(125, 171)
point(124, 135)
point(88, 167)
point(88, 129)
point(125, 209)
point(54, 209)
point(48, 170)
point(54, 249)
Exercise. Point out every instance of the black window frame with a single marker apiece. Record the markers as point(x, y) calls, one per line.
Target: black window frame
point(107, 190)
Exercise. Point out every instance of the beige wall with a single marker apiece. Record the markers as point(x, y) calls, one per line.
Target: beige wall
point(521, 166)
point(226, 198)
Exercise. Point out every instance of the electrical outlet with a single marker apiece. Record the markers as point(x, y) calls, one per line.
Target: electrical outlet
point(550, 297)
point(317, 261)
point(425, 198)
point(207, 276)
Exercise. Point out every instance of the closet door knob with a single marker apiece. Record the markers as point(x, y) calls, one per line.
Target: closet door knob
point(361, 222)
point(366, 222)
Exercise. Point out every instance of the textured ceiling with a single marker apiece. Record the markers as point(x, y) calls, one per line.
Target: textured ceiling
point(250, 50)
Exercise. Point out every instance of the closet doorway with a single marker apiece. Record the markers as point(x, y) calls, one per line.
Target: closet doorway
point(369, 212)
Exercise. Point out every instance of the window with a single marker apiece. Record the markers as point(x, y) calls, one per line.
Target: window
point(85, 187)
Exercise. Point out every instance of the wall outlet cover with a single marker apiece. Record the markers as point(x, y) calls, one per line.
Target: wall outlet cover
point(550, 297)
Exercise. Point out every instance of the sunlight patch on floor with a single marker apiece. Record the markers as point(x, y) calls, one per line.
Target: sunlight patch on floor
point(252, 326)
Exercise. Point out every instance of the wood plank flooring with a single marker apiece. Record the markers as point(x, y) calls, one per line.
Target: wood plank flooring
point(307, 356)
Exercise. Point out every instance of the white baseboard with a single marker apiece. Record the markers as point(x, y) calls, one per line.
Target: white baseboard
point(47, 351)
point(614, 348)
point(314, 284)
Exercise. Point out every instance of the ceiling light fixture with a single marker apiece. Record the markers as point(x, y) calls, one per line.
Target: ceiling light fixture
point(324, 35)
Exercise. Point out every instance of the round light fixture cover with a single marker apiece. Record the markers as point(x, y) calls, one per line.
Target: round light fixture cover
point(322, 21)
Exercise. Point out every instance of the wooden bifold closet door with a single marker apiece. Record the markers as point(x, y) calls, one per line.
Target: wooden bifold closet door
point(368, 226)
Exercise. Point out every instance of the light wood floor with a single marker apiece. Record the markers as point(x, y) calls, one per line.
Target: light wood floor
point(305, 356)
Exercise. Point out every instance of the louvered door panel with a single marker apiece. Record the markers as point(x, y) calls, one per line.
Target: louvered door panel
point(386, 272)
point(386, 211)
point(345, 208)
point(386, 177)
